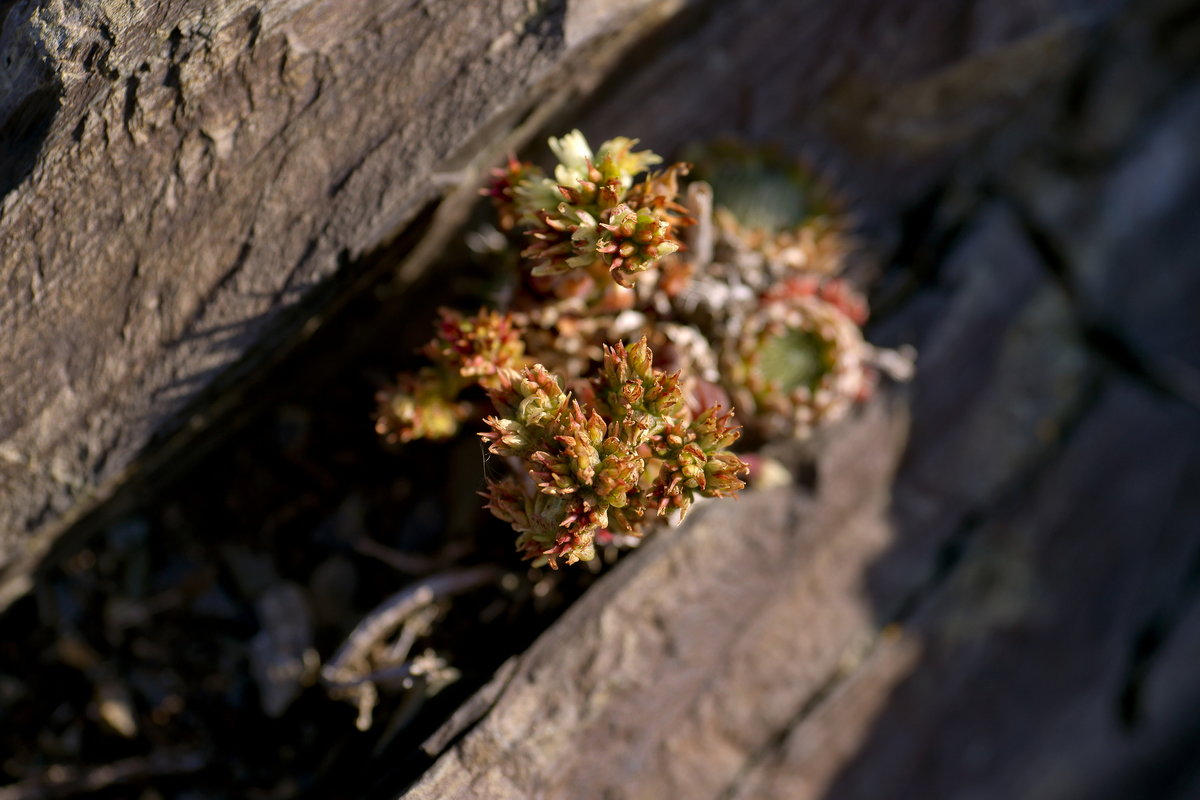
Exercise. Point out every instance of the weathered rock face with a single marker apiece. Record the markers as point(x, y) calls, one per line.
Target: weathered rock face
point(175, 175)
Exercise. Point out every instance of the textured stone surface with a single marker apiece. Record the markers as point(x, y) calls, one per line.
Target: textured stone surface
point(1002, 369)
point(1130, 242)
point(846, 84)
point(1026, 650)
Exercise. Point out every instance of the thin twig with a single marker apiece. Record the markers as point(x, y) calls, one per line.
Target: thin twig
point(389, 615)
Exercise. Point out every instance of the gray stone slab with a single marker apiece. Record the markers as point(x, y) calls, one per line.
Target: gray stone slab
point(1010, 680)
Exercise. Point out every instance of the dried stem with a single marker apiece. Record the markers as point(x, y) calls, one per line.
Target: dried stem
point(344, 668)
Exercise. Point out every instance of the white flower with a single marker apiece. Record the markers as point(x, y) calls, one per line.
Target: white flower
point(574, 155)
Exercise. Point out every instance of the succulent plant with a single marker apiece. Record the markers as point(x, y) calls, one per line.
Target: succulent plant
point(582, 468)
point(589, 214)
point(743, 301)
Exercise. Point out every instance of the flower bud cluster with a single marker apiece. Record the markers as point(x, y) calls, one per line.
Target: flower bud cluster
point(585, 469)
point(476, 348)
point(590, 216)
point(466, 351)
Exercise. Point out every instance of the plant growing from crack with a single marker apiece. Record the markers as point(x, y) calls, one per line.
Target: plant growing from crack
point(634, 313)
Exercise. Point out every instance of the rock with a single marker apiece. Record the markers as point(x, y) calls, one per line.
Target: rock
point(1008, 680)
point(1119, 220)
point(282, 657)
point(1002, 369)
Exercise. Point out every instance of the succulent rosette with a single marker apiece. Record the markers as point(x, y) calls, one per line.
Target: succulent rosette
point(798, 364)
point(767, 292)
point(779, 207)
